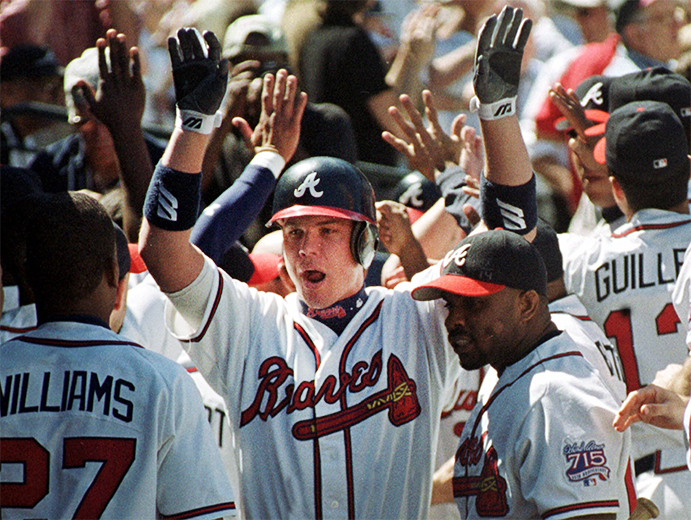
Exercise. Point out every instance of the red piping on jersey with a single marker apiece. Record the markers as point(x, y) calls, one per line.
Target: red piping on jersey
point(310, 343)
point(51, 342)
point(315, 443)
point(225, 506)
point(674, 469)
point(644, 227)
point(630, 487)
point(18, 330)
point(580, 507)
point(346, 433)
point(493, 397)
point(192, 370)
point(214, 308)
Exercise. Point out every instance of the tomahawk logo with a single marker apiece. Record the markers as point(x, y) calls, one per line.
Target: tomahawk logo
point(412, 195)
point(457, 255)
point(504, 110)
point(310, 183)
point(192, 123)
point(513, 216)
point(167, 205)
point(594, 95)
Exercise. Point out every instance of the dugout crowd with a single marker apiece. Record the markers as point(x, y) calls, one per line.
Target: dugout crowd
point(406, 259)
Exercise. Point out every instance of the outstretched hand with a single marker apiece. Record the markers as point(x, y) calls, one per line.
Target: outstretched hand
point(652, 405)
point(500, 46)
point(428, 149)
point(200, 76)
point(119, 100)
point(278, 129)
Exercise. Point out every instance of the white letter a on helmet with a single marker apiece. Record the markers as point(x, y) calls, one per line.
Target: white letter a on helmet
point(310, 183)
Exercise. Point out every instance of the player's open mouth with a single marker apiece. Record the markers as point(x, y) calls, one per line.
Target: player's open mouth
point(313, 276)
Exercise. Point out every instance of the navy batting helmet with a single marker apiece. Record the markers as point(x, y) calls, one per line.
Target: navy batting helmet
point(330, 187)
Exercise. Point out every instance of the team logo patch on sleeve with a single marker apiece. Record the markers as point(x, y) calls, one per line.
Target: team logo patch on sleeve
point(586, 462)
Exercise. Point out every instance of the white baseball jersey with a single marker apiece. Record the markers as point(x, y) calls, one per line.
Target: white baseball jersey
point(144, 323)
point(17, 321)
point(687, 434)
point(681, 295)
point(97, 427)
point(541, 444)
point(326, 425)
point(569, 315)
point(625, 281)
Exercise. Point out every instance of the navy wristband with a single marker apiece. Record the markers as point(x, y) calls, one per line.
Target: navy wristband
point(173, 199)
point(513, 208)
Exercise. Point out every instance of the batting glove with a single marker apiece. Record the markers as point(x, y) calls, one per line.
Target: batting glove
point(200, 78)
point(498, 64)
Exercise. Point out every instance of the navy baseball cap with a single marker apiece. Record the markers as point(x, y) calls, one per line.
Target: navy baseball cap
point(417, 193)
point(644, 143)
point(653, 84)
point(29, 61)
point(485, 264)
point(547, 243)
point(593, 93)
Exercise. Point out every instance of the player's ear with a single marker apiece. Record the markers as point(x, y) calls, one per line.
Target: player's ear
point(528, 304)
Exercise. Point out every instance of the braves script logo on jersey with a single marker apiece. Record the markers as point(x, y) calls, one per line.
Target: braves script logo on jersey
point(332, 312)
point(489, 488)
point(457, 255)
point(399, 398)
point(310, 183)
point(586, 461)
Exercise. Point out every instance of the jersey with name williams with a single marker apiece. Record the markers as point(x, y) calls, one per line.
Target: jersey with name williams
point(626, 280)
point(326, 425)
point(541, 444)
point(94, 426)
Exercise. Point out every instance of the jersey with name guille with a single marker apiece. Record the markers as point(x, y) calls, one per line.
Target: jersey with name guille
point(326, 425)
point(94, 426)
point(541, 444)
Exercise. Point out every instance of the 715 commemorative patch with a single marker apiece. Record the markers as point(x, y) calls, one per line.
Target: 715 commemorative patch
point(586, 462)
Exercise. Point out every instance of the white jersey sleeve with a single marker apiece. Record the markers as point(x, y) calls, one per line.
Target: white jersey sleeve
point(682, 295)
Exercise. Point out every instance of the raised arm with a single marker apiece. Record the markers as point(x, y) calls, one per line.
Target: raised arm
point(172, 204)
point(508, 189)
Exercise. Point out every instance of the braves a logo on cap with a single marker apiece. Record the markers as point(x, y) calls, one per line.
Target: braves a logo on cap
point(412, 195)
point(457, 256)
point(594, 95)
point(586, 462)
point(310, 183)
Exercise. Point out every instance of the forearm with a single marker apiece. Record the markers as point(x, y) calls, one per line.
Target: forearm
point(507, 161)
point(170, 257)
point(412, 258)
point(135, 175)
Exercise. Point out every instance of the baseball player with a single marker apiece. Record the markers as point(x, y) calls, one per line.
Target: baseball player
point(540, 445)
point(94, 426)
point(625, 280)
point(334, 393)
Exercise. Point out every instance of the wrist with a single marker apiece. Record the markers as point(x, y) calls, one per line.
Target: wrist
point(193, 121)
point(491, 111)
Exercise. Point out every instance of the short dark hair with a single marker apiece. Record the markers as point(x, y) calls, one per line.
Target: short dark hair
point(70, 244)
point(663, 195)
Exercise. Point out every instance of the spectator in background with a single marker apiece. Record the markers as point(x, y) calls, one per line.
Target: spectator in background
point(28, 74)
point(110, 150)
point(340, 64)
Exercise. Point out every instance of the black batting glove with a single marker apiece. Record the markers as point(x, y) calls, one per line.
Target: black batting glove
point(200, 77)
point(498, 63)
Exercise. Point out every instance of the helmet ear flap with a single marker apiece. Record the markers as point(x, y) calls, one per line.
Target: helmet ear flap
point(363, 242)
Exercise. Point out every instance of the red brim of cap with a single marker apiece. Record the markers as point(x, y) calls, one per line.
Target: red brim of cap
point(318, 211)
point(414, 214)
point(455, 284)
point(596, 130)
point(599, 151)
point(596, 116)
point(137, 264)
point(265, 268)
